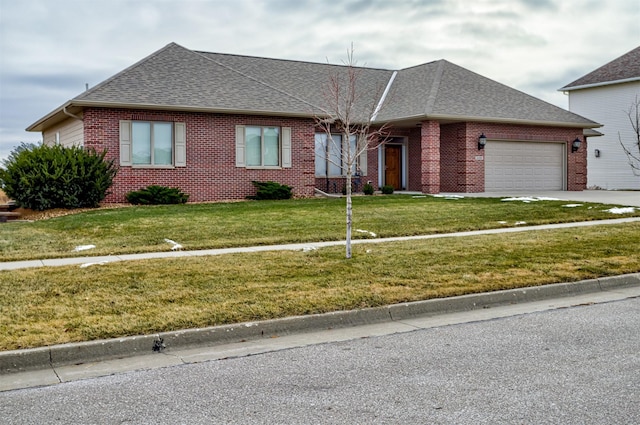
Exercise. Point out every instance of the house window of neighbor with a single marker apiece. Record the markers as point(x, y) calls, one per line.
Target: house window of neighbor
point(152, 143)
point(262, 146)
point(329, 160)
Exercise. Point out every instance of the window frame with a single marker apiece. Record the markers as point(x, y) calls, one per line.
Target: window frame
point(284, 147)
point(263, 148)
point(152, 142)
point(331, 153)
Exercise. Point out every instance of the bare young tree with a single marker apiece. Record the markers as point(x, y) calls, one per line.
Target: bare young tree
point(348, 121)
point(633, 150)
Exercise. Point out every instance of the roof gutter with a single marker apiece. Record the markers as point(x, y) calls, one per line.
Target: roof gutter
point(605, 83)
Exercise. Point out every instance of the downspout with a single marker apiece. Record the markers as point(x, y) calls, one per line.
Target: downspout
point(64, 110)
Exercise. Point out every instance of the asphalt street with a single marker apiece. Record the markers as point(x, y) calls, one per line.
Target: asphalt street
point(575, 365)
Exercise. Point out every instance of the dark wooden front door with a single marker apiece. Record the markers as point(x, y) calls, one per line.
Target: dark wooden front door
point(393, 166)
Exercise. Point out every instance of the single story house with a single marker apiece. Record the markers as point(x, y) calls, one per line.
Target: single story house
point(212, 123)
point(608, 94)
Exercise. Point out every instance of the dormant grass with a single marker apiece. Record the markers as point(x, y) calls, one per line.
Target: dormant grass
point(47, 306)
point(203, 226)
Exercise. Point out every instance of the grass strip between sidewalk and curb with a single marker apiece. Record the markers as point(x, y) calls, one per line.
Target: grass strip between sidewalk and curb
point(46, 306)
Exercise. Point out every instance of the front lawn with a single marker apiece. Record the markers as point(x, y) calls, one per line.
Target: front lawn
point(44, 306)
point(220, 225)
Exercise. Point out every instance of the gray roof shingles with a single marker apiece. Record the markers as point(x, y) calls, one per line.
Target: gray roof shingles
point(623, 68)
point(176, 77)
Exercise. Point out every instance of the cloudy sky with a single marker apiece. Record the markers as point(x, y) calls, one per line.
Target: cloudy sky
point(49, 49)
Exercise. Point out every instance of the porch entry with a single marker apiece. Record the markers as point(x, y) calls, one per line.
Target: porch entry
point(393, 164)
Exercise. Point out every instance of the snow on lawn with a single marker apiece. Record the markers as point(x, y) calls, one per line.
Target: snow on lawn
point(83, 247)
point(623, 210)
point(366, 231)
point(176, 246)
point(528, 199)
point(451, 197)
point(572, 205)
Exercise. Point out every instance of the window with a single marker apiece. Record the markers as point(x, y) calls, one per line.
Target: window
point(152, 143)
point(263, 147)
point(329, 160)
point(262, 144)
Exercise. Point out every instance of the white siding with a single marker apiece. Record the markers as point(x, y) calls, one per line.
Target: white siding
point(608, 105)
point(71, 133)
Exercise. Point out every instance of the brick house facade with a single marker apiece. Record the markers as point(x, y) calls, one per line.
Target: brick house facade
point(433, 147)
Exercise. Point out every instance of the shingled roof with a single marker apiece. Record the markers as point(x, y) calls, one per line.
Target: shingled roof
point(176, 78)
point(623, 69)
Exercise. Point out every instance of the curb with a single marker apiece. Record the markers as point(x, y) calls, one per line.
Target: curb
point(93, 351)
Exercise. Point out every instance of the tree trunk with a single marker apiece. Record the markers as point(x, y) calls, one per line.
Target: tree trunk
point(349, 213)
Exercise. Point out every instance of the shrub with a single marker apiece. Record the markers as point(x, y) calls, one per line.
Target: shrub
point(368, 189)
point(271, 190)
point(387, 189)
point(41, 177)
point(157, 195)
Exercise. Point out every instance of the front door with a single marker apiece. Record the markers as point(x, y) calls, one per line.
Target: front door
point(393, 166)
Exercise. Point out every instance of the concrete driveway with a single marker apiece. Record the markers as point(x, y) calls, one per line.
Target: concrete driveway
point(618, 197)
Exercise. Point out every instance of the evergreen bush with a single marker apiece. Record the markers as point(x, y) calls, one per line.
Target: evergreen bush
point(41, 177)
point(387, 189)
point(157, 195)
point(271, 190)
point(368, 189)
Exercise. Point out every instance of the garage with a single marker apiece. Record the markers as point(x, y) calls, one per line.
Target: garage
point(517, 166)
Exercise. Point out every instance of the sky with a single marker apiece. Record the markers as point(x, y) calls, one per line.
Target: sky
point(50, 49)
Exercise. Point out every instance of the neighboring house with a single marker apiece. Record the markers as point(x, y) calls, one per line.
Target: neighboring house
point(212, 123)
point(606, 95)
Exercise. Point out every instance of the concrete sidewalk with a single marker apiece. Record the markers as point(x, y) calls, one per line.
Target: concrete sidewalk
point(88, 260)
point(612, 197)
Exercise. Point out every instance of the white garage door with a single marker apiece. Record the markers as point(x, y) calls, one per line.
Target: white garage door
point(524, 166)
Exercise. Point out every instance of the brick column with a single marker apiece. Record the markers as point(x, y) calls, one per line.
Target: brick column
point(430, 156)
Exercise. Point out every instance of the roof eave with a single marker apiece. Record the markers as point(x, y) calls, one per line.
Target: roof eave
point(438, 117)
point(41, 124)
point(600, 84)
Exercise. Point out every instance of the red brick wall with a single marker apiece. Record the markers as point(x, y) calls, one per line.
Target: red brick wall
point(210, 174)
point(430, 156)
point(462, 170)
point(441, 158)
point(576, 162)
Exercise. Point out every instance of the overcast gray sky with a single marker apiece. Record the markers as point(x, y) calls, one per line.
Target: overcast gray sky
point(49, 49)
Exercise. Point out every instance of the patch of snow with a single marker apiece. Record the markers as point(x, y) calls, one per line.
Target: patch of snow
point(308, 248)
point(85, 265)
point(519, 223)
point(527, 199)
point(502, 222)
point(366, 231)
point(572, 205)
point(449, 197)
point(83, 247)
point(175, 244)
point(623, 210)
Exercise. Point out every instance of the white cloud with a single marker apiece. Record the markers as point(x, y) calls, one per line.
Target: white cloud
point(49, 50)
